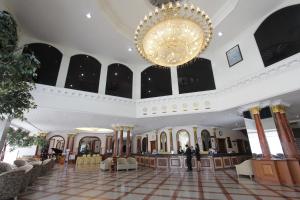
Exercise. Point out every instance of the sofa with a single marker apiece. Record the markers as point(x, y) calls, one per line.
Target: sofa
point(122, 164)
point(245, 168)
point(106, 164)
point(36, 171)
point(27, 176)
point(132, 163)
point(11, 183)
point(5, 167)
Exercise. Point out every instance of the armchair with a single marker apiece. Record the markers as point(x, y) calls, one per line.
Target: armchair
point(27, 176)
point(20, 163)
point(245, 168)
point(36, 170)
point(10, 183)
point(5, 167)
point(106, 164)
point(122, 164)
point(132, 163)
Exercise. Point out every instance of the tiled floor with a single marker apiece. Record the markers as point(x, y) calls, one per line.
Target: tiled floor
point(89, 183)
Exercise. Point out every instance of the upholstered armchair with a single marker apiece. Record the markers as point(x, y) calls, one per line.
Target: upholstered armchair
point(36, 171)
point(122, 164)
point(45, 167)
point(20, 163)
point(245, 168)
point(5, 167)
point(27, 176)
point(10, 183)
point(132, 163)
point(106, 164)
point(79, 160)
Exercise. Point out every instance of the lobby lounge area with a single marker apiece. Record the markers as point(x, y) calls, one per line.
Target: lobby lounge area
point(149, 99)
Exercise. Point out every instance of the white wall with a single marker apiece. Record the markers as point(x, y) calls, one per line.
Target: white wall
point(234, 135)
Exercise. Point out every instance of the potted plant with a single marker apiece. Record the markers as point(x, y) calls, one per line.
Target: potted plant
point(17, 73)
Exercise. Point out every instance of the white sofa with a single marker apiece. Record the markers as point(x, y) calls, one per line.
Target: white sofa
point(132, 163)
point(106, 164)
point(122, 164)
point(245, 168)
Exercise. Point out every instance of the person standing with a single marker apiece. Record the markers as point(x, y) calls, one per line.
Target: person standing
point(198, 157)
point(188, 154)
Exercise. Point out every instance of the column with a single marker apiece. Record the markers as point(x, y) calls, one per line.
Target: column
point(261, 133)
point(121, 142)
point(115, 153)
point(103, 77)
point(171, 139)
point(136, 85)
point(68, 141)
point(195, 135)
point(106, 144)
point(284, 132)
point(174, 78)
point(72, 141)
point(4, 125)
point(63, 71)
point(128, 142)
point(156, 140)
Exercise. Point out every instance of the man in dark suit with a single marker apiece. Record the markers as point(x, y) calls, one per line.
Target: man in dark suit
point(188, 154)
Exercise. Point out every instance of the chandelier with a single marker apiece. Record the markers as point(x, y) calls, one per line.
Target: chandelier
point(173, 34)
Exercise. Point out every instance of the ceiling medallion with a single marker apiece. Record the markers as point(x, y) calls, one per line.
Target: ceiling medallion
point(173, 34)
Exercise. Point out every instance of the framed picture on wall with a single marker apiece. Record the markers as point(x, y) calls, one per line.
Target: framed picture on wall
point(234, 55)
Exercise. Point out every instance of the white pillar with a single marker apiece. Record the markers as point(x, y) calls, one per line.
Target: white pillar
point(4, 125)
point(63, 71)
point(103, 77)
point(136, 85)
point(174, 79)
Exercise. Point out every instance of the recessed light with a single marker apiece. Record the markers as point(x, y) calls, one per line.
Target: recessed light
point(116, 74)
point(149, 79)
point(220, 34)
point(88, 15)
point(129, 49)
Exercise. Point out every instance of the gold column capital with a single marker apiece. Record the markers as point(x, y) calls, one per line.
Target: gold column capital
point(43, 134)
point(278, 108)
point(195, 128)
point(255, 110)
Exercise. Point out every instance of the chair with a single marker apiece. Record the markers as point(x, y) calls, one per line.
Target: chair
point(86, 160)
point(20, 163)
point(122, 164)
point(5, 167)
point(36, 171)
point(132, 163)
point(27, 176)
point(106, 164)
point(45, 167)
point(10, 183)
point(92, 160)
point(245, 168)
point(98, 159)
point(79, 160)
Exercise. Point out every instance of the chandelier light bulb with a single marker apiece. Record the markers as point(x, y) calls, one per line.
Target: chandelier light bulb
point(173, 35)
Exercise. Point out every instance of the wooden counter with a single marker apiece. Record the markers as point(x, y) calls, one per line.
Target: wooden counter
point(170, 161)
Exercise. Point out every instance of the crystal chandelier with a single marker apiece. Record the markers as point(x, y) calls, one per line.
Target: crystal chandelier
point(173, 34)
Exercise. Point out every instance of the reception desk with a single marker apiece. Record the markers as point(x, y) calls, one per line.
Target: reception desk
point(172, 161)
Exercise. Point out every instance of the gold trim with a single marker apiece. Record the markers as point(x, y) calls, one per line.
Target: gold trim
point(255, 110)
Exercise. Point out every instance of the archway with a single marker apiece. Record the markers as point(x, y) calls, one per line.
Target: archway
point(163, 142)
point(183, 138)
point(89, 145)
point(56, 142)
point(144, 145)
point(206, 141)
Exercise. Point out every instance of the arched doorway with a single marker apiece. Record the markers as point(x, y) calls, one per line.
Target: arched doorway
point(56, 142)
point(163, 142)
point(206, 141)
point(183, 138)
point(89, 145)
point(144, 145)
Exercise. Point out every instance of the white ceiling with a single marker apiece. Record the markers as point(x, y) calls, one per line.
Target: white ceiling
point(109, 32)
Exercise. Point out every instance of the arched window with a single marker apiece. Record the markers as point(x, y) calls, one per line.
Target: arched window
point(50, 60)
point(89, 145)
point(206, 141)
point(183, 138)
point(83, 73)
point(57, 142)
point(119, 81)
point(278, 37)
point(155, 82)
point(196, 76)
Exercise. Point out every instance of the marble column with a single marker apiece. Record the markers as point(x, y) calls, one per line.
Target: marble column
point(4, 125)
point(195, 135)
point(115, 153)
point(156, 140)
point(106, 144)
point(121, 142)
point(72, 141)
point(171, 139)
point(261, 133)
point(284, 132)
point(128, 142)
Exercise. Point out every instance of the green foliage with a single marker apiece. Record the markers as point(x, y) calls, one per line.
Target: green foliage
point(41, 141)
point(19, 138)
point(17, 72)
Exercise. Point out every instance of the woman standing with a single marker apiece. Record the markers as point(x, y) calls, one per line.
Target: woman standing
point(197, 153)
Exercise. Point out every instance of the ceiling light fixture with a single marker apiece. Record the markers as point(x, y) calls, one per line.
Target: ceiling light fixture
point(173, 34)
point(220, 34)
point(88, 15)
point(129, 49)
point(94, 130)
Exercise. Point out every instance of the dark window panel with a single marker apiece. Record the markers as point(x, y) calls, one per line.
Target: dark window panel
point(156, 82)
point(119, 81)
point(247, 114)
point(50, 60)
point(196, 76)
point(278, 37)
point(265, 113)
point(83, 73)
